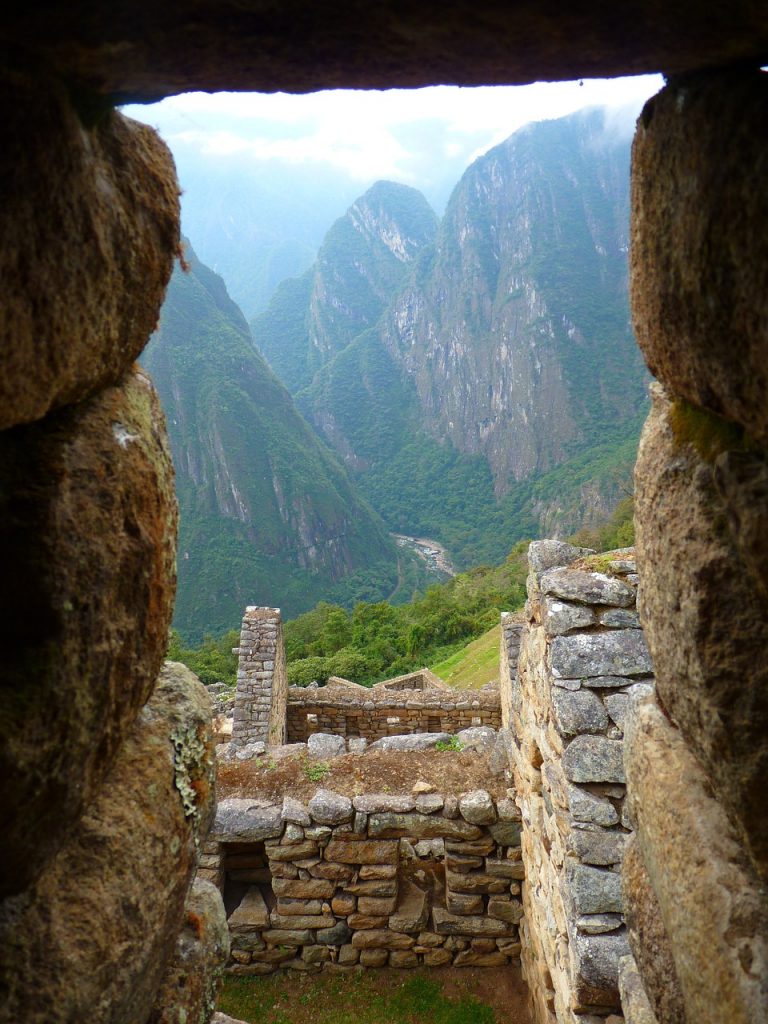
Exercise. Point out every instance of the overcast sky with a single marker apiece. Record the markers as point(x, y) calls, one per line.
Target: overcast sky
point(368, 135)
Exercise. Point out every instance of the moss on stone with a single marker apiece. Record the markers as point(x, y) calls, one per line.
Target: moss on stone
point(710, 435)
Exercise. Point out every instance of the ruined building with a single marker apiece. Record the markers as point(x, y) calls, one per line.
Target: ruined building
point(98, 745)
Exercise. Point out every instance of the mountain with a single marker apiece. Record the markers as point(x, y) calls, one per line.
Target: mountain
point(362, 263)
point(500, 392)
point(268, 515)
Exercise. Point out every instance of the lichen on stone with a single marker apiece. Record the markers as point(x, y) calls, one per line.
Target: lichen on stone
point(190, 766)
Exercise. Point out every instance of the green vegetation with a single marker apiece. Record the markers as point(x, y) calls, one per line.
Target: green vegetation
point(315, 771)
point(618, 532)
point(368, 998)
point(474, 665)
point(376, 641)
point(213, 661)
point(454, 743)
point(708, 434)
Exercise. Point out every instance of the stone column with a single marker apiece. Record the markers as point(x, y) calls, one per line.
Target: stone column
point(511, 632)
point(697, 755)
point(262, 681)
point(583, 660)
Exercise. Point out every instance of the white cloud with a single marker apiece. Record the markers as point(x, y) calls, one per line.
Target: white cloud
point(375, 134)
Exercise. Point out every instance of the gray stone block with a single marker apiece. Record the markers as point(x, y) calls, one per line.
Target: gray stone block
point(593, 890)
point(579, 711)
point(585, 806)
point(620, 652)
point(587, 587)
point(330, 808)
point(594, 759)
point(560, 617)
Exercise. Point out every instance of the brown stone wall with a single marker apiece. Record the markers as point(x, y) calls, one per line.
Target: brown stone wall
point(696, 756)
point(376, 713)
point(583, 660)
point(377, 880)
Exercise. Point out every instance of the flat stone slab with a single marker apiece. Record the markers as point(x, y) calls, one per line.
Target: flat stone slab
point(412, 909)
point(245, 821)
point(251, 914)
point(457, 924)
point(413, 741)
point(364, 851)
point(594, 759)
point(619, 652)
point(420, 826)
point(372, 803)
point(546, 554)
point(587, 587)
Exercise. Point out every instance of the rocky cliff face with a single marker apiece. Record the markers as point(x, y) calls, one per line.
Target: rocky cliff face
point(499, 390)
point(266, 510)
point(518, 338)
point(361, 265)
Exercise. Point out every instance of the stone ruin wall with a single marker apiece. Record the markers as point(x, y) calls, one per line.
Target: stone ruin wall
point(375, 713)
point(583, 660)
point(262, 681)
point(377, 880)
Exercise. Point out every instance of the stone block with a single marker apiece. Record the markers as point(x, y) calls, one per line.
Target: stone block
point(90, 240)
point(599, 924)
point(412, 909)
point(619, 618)
point(436, 957)
point(578, 711)
point(190, 984)
point(251, 914)
point(476, 882)
point(373, 887)
point(373, 957)
point(550, 554)
point(594, 961)
point(560, 617)
point(464, 903)
point(105, 914)
point(635, 1004)
point(376, 802)
point(368, 871)
point(376, 905)
point(620, 652)
point(479, 737)
point(594, 759)
point(295, 811)
point(709, 897)
point(246, 821)
point(337, 935)
point(294, 921)
point(457, 862)
point(712, 669)
point(472, 958)
point(348, 954)
point(286, 937)
point(505, 910)
point(453, 924)
point(365, 851)
point(87, 543)
point(599, 847)
point(343, 904)
point(360, 922)
point(506, 833)
point(298, 908)
point(587, 588)
point(477, 807)
point(325, 746)
point(420, 826)
point(382, 939)
point(591, 808)
point(330, 808)
point(304, 888)
point(593, 890)
point(293, 852)
point(508, 869)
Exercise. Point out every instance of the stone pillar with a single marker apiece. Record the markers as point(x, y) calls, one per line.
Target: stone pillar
point(697, 756)
point(262, 680)
point(511, 632)
point(583, 660)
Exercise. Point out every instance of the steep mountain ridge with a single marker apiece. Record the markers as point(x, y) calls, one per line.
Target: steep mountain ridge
point(267, 513)
point(508, 346)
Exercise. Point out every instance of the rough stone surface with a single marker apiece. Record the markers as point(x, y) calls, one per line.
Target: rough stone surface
point(189, 987)
point(88, 534)
point(711, 903)
point(414, 741)
point(621, 652)
point(479, 737)
point(698, 246)
point(634, 1001)
point(599, 847)
point(88, 247)
point(420, 826)
point(593, 759)
point(595, 960)
point(653, 955)
point(587, 587)
point(550, 554)
point(477, 807)
point(560, 617)
point(593, 890)
point(330, 808)
point(246, 821)
point(325, 746)
point(105, 914)
point(578, 711)
point(706, 615)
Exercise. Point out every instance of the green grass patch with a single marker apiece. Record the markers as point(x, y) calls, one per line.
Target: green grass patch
point(474, 665)
point(365, 998)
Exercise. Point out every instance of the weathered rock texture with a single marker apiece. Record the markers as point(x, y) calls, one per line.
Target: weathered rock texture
point(187, 994)
point(711, 665)
point(88, 245)
point(91, 939)
point(380, 880)
point(262, 682)
point(699, 246)
point(711, 904)
point(580, 665)
point(147, 52)
point(87, 534)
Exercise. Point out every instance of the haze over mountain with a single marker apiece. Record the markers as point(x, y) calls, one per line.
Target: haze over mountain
point(501, 392)
point(268, 515)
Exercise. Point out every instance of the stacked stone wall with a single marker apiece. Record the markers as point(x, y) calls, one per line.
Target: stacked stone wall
point(583, 660)
point(262, 681)
point(376, 880)
point(375, 713)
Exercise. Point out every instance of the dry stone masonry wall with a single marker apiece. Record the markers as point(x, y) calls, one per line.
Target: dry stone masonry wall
point(375, 880)
point(583, 660)
point(262, 681)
